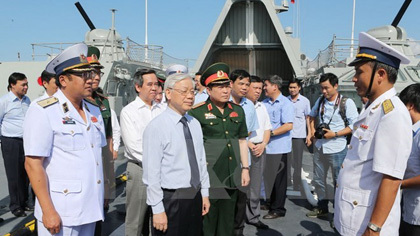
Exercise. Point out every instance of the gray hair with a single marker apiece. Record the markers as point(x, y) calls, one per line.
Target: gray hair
point(175, 78)
point(275, 79)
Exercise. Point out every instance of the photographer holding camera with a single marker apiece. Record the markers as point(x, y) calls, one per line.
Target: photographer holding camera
point(336, 115)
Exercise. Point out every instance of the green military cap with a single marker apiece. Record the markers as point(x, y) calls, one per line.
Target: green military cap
point(93, 57)
point(217, 73)
point(161, 77)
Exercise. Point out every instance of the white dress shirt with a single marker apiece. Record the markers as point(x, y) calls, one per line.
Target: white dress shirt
point(263, 123)
point(165, 162)
point(380, 145)
point(116, 131)
point(72, 149)
point(411, 196)
point(133, 120)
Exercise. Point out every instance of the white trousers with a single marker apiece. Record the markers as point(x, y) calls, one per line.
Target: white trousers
point(80, 230)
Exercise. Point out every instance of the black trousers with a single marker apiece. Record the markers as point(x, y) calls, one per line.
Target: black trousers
point(407, 229)
point(183, 207)
point(275, 180)
point(17, 179)
point(240, 210)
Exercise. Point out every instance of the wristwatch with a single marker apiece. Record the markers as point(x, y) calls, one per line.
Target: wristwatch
point(336, 134)
point(245, 167)
point(271, 133)
point(374, 227)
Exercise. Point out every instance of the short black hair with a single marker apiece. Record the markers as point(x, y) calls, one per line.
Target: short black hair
point(391, 71)
point(199, 73)
point(295, 81)
point(333, 79)
point(238, 74)
point(47, 76)
point(13, 79)
point(411, 94)
point(138, 76)
point(255, 79)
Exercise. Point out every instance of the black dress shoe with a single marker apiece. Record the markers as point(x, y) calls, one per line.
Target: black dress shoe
point(273, 215)
point(1, 220)
point(264, 207)
point(259, 225)
point(29, 208)
point(19, 212)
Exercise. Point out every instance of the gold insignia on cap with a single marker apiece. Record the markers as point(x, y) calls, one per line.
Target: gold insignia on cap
point(94, 57)
point(65, 107)
point(365, 55)
point(220, 73)
point(83, 59)
point(47, 102)
point(387, 106)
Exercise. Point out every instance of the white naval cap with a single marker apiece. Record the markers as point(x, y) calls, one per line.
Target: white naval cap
point(371, 48)
point(72, 58)
point(179, 69)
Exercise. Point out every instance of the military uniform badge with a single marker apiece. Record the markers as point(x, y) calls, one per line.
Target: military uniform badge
point(209, 116)
point(47, 102)
point(68, 121)
point(387, 106)
point(65, 107)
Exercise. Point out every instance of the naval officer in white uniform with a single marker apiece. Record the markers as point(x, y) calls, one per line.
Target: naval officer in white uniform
point(368, 194)
point(63, 137)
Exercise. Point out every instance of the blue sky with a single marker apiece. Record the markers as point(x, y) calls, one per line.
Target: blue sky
point(183, 26)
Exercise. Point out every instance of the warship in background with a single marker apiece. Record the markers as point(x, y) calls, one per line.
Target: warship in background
point(336, 57)
point(120, 57)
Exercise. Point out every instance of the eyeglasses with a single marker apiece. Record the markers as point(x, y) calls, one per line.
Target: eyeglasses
point(184, 92)
point(98, 73)
point(86, 75)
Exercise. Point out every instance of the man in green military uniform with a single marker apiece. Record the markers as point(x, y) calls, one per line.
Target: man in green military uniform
point(224, 132)
point(99, 99)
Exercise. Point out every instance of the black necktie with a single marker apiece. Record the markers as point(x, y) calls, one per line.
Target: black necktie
point(195, 174)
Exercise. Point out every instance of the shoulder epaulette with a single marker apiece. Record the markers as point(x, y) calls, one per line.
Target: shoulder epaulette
point(387, 106)
point(91, 101)
point(198, 105)
point(232, 104)
point(44, 103)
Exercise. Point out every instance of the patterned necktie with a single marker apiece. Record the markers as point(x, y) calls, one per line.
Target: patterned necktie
point(195, 175)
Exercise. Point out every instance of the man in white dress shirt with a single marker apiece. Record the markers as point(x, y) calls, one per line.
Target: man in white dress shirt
point(257, 142)
point(133, 120)
point(367, 198)
point(63, 140)
point(410, 220)
point(175, 170)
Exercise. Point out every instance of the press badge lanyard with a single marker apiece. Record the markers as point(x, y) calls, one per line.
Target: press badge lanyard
point(337, 102)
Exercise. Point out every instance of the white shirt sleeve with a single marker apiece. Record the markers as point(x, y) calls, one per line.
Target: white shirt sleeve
point(116, 131)
point(132, 138)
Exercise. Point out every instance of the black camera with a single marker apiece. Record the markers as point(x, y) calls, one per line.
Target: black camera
point(320, 132)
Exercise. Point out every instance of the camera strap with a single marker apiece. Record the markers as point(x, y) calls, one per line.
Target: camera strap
point(337, 103)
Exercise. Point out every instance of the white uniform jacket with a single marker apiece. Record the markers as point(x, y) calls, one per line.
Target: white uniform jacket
point(381, 144)
point(73, 161)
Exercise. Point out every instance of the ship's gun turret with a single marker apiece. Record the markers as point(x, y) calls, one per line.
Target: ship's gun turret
point(394, 35)
point(85, 16)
